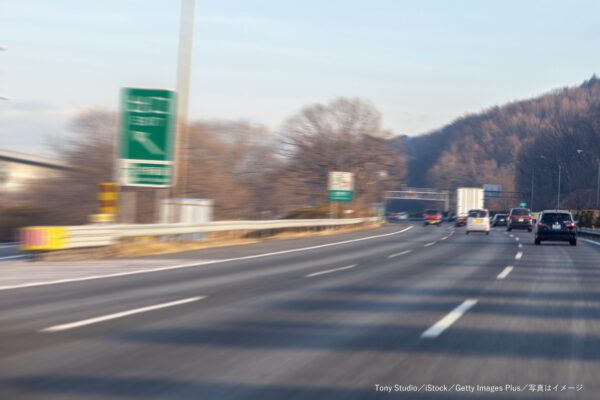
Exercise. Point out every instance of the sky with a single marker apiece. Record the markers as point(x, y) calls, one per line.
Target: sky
point(421, 63)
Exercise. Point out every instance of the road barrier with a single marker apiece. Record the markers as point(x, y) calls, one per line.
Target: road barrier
point(595, 233)
point(98, 235)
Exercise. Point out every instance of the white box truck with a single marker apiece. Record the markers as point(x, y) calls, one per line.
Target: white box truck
point(468, 199)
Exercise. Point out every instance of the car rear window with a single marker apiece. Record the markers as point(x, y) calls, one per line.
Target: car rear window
point(520, 211)
point(431, 212)
point(477, 213)
point(551, 218)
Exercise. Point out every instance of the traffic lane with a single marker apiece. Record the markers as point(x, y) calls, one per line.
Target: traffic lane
point(20, 273)
point(213, 273)
point(46, 305)
point(10, 251)
point(528, 328)
point(270, 336)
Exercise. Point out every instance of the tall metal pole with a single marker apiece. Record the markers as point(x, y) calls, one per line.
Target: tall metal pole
point(531, 199)
point(558, 195)
point(598, 185)
point(186, 34)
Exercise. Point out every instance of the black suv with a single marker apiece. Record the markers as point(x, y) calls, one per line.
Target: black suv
point(519, 218)
point(499, 220)
point(556, 225)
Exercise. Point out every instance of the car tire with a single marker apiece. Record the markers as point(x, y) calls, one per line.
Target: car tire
point(529, 230)
point(573, 242)
point(509, 229)
point(487, 233)
point(467, 232)
point(537, 241)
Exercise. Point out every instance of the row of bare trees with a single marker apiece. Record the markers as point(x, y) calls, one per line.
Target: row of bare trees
point(250, 171)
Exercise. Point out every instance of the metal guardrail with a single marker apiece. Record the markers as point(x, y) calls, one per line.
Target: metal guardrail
point(98, 235)
point(589, 232)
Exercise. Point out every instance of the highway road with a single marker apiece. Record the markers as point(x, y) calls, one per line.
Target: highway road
point(424, 312)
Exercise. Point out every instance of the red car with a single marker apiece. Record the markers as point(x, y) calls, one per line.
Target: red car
point(433, 217)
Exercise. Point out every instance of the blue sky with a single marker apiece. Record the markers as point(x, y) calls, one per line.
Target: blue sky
point(422, 63)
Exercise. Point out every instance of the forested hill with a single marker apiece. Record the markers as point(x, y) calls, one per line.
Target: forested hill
point(494, 146)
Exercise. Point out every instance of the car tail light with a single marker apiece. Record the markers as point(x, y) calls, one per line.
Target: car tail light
point(540, 225)
point(570, 225)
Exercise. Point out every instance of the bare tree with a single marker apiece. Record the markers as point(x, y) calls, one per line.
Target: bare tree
point(344, 135)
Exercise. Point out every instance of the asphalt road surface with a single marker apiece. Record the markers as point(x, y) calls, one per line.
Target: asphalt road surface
point(419, 313)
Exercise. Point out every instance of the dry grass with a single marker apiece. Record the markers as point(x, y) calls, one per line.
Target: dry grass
point(151, 246)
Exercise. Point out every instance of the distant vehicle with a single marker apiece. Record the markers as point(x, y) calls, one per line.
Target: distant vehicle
point(478, 221)
point(468, 199)
point(500, 220)
point(460, 221)
point(402, 216)
point(433, 217)
point(520, 218)
point(556, 225)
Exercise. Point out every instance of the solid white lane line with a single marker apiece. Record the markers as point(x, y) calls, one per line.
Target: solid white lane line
point(329, 271)
point(445, 237)
point(13, 257)
point(436, 329)
point(8, 245)
point(505, 272)
point(122, 314)
point(197, 264)
point(429, 244)
point(399, 254)
point(589, 241)
point(518, 255)
point(520, 246)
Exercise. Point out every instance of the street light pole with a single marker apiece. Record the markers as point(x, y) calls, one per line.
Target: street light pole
point(558, 195)
point(598, 185)
point(532, 178)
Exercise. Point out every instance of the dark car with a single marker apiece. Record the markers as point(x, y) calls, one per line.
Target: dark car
point(433, 217)
point(519, 218)
point(556, 225)
point(500, 220)
point(460, 221)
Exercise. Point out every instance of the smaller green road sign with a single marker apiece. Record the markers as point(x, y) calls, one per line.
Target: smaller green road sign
point(146, 144)
point(341, 186)
point(340, 195)
point(522, 204)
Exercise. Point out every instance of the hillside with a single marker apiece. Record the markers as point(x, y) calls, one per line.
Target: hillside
point(501, 145)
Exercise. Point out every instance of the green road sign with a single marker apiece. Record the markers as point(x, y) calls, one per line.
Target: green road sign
point(340, 186)
point(146, 143)
point(522, 204)
point(340, 195)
